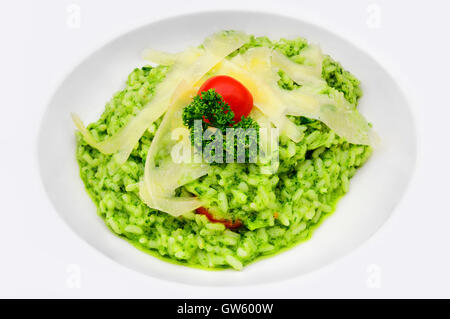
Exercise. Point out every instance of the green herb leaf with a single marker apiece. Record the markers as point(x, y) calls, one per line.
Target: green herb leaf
point(213, 111)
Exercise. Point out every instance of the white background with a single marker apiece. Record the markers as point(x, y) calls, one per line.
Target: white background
point(41, 257)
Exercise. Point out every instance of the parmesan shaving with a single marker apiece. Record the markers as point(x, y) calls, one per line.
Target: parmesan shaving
point(189, 66)
point(257, 71)
point(162, 176)
point(299, 73)
point(159, 57)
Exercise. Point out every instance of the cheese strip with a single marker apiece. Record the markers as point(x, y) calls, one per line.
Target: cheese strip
point(159, 57)
point(162, 175)
point(190, 66)
point(255, 70)
point(299, 73)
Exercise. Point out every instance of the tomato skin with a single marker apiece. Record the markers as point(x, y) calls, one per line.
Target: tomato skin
point(228, 223)
point(233, 92)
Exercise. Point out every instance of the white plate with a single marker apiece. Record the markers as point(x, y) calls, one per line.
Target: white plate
point(374, 191)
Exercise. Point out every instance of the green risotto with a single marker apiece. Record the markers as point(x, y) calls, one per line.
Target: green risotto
point(276, 210)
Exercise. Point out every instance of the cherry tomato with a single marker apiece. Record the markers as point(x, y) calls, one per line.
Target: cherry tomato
point(233, 92)
point(228, 223)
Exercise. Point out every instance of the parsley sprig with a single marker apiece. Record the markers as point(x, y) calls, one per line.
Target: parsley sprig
point(213, 111)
